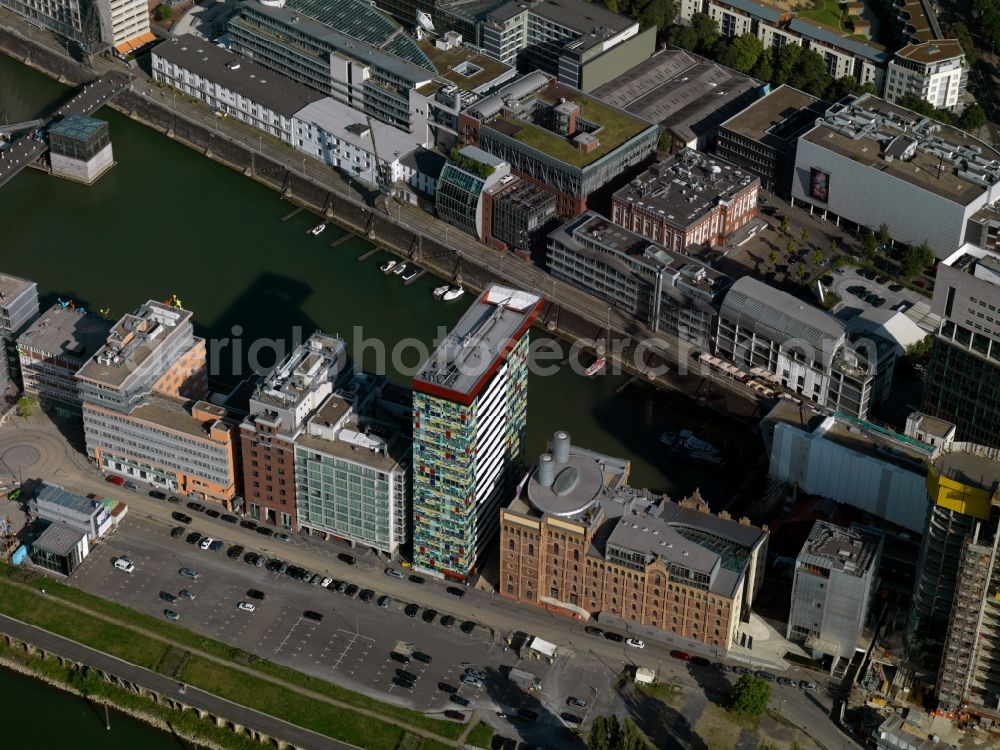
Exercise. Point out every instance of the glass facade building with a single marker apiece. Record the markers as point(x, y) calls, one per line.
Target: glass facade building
point(457, 198)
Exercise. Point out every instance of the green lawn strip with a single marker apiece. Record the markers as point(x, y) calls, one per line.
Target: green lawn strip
point(98, 634)
point(480, 736)
point(404, 716)
point(278, 701)
point(434, 745)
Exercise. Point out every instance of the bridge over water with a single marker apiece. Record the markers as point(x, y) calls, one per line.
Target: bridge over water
point(31, 147)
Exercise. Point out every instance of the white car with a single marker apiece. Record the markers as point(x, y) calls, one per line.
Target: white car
point(326, 582)
point(246, 607)
point(124, 563)
point(634, 643)
point(206, 542)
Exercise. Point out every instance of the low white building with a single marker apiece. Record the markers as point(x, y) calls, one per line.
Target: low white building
point(346, 139)
point(934, 71)
point(230, 84)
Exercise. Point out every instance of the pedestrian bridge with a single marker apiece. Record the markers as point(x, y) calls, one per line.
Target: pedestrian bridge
point(31, 147)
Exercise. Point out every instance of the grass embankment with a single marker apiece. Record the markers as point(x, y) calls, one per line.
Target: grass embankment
point(122, 640)
point(480, 736)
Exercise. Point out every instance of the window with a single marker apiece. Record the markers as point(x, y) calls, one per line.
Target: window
point(531, 550)
point(510, 545)
point(576, 555)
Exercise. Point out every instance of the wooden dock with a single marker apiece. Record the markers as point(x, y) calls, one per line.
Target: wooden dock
point(294, 212)
point(341, 240)
point(367, 254)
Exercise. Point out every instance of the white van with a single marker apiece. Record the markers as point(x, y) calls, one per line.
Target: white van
point(123, 563)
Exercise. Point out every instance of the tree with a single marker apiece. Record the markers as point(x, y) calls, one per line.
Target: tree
point(883, 234)
point(790, 246)
point(684, 37)
point(163, 12)
point(784, 225)
point(987, 15)
point(666, 142)
point(804, 236)
point(772, 259)
point(973, 118)
point(810, 72)
point(742, 53)
point(801, 272)
point(706, 29)
point(917, 258)
point(24, 406)
point(834, 247)
point(611, 5)
point(924, 107)
point(916, 352)
point(961, 32)
point(764, 69)
point(750, 696)
point(869, 244)
point(658, 13)
point(817, 257)
point(608, 733)
point(785, 60)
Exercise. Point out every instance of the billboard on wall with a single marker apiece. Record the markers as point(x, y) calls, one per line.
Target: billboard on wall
point(819, 184)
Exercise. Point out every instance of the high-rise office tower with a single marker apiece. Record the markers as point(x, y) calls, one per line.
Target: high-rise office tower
point(469, 417)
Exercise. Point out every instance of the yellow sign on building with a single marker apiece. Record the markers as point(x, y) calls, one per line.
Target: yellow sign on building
point(954, 495)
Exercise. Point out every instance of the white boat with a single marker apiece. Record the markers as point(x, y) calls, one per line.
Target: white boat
point(440, 291)
point(317, 230)
point(411, 275)
point(400, 269)
point(387, 266)
point(596, 367)
point(454, 293)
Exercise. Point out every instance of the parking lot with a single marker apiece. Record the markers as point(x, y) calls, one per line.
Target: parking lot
point(851, 278)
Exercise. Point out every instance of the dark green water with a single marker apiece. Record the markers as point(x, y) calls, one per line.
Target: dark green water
point(166, 220)
point(43, 717)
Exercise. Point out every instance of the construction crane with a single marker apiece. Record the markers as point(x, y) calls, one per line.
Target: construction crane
point(383, 177)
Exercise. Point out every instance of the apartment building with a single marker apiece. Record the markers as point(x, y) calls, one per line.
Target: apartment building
point(690, 200)
point(121, 24)
point(933, 71)
point(353, 477)
point(520, 214)
point(583, 44)
point(470, 405)
point(867, 162)
point(664, 289)
point(843, 53)
point(53, 349)
point(578, 541)
point(279, 411)
point(836, 574)
point(560, 140)
point(231, 85)
point(805, 348)
point(963, 377)
point(762, 138)
point(460, 198)
point(18, 307)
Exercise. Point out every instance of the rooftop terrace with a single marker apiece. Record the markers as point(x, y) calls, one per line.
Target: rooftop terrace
point(466, 69)
point(831, 547)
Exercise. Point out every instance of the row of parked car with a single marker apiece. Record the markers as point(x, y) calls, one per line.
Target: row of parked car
point(246, 523)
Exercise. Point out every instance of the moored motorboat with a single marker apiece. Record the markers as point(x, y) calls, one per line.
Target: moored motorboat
point(453, 293)
point(317, 230)
point(596, 367)
point(400, 269)
point(440, 291)
point(411, 274)
point(387, 266)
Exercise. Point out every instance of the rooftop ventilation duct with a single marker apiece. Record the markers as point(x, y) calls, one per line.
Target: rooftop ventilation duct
point(546, 470)
point(560, 447)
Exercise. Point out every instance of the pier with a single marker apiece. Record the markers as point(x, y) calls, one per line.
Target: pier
point(294, 212)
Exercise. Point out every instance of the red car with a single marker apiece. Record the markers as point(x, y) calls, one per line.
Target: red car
point(680, 655)
point(115, 479)
point(456, 715)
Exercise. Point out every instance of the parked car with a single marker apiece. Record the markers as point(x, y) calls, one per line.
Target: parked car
point(246, 606)
point(197, 507)
point(613, 636)
point(455, 591)
point(468, 679)
point(415, 578)
point(343, 586)
point(349, 559)
point(255, 594)
point(429, 615)
point(456, 715)
point(476, 672)
point(895, 287)
point(400, 682)
point(769, 676)
point(411, 610)
point(174, 499)
point(576, 702)
point(701, 661)
point(206, 542)
point(168, 597)
point(572, 719)
point(444, 687)
point(312, 615)
point(787, 682)
point(212, 513)
point(234, 552)
point(384, 601)
point(185, 594)
point(157, 495)
point(176, 531)
point(115, 479)
point(171, 615)
point(248, 523)
point(806, 685)
point(264, 530)
point(189, 573)
point(681, 655)
point(216, 545)
point(458, 699)
point(398, 657)
point(421, 656)
point(634, 643)
point(325, 581)
point(406, 675)
point(366, 595)
point(591, 630)
point(180, 517)
point(125, 564)
point(193, 538)
point(352, 590)
point(394, 572)
point(281, 536)
point(229, 518)
point(448, 621)
point(467, 627)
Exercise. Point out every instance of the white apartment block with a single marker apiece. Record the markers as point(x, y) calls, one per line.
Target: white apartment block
point(933, 71)
point(129, 24)
point(776, 27)
point(232, 85)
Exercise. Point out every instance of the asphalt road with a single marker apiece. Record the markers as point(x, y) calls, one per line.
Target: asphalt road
point(255, 720)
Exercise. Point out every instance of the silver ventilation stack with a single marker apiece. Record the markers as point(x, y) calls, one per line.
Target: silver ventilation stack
point(560, 447)
point(546, 470)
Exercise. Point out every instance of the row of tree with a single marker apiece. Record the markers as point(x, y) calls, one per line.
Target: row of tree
point(971, 119)
point(805, 69)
